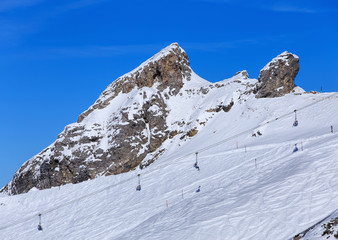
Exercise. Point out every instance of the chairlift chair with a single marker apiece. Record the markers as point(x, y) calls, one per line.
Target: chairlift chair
point(198, 189)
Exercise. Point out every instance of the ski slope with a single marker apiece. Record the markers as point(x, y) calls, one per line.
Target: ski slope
point(251, 187)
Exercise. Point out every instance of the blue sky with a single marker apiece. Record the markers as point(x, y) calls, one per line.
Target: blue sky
point(56, 57)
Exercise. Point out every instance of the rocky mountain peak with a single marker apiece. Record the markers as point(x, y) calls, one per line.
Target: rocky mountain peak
point(127, 123)
point(277, 78)
point(167, 69)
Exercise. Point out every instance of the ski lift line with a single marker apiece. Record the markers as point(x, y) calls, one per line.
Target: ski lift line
point(250, 130)
point(101, 190)
point(192, 189)
point(161, 166)
point(189, 154)
point(177, 159)
point(248, 177)
point(261, 125)
point(267, 165)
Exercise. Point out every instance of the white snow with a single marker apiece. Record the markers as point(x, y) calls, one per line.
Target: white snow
point(148, 133)
point(285, 194)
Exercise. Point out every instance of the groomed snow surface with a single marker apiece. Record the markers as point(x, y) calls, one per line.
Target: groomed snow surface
point(251, 187)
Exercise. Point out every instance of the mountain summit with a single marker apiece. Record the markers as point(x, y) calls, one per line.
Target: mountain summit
point(166, 69)
point(160, 103)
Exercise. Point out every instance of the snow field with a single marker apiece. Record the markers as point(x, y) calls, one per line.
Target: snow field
point(281, 195)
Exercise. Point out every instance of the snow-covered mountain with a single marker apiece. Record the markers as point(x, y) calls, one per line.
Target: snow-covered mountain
point(163, 117)
point(160, 101)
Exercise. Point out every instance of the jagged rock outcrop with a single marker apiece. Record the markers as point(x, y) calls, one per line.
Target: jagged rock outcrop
point(167, 68)
point(277, 78)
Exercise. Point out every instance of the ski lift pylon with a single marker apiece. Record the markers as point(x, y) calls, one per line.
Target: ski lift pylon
point(196, 163)
point(39, 225)
point(295, 123)
point(138, 188)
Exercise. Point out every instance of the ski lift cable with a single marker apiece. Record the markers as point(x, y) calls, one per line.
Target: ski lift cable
point(160, 166)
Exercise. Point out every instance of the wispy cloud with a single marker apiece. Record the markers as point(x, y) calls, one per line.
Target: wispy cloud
point(72, 5)
point(215, 46)
point(93, 51)
point(14, 27)
point(106, 51)
point(103, 51)
point(268, 5)
point(12, 30)
point(6, 5)
point(289, 8)
point(213, 1)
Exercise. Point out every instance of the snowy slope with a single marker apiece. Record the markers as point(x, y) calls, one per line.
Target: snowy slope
point(251, 187)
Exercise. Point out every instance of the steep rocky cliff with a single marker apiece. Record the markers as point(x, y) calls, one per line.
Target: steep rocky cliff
point(162, 100)
point(277, 78)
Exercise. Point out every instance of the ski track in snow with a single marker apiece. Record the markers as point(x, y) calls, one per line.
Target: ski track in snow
point(287, 192)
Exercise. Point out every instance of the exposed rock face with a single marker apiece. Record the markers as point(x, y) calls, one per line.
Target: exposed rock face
point(277, 78)
point(97, 146)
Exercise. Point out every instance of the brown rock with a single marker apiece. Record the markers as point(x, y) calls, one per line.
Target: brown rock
point(277, 78)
